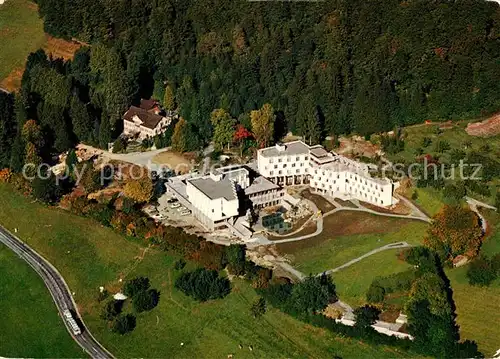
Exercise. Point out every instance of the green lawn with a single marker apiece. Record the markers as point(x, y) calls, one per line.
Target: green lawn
point(456, 137)
point(491, 244)
point(477, 310)
point(313, 257)
point(89, 256)
point(21, 32)
point(430, 200)
point(353, 282)
point(30, 325)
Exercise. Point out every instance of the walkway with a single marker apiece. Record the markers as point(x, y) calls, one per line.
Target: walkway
point(473, 204)
point(136, 158)
point(319, 223)
point(377, 250)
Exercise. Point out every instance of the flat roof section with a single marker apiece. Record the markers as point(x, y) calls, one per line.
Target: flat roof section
point(291, 148)
point(260, 184)
point(215, 189)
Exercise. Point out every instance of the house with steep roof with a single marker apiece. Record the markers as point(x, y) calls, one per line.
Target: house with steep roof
point(146, 121)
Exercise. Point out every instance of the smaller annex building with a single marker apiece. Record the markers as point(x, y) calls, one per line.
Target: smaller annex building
point(218, 198)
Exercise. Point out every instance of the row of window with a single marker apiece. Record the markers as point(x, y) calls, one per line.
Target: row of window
point(288, 159)
point(289, 172)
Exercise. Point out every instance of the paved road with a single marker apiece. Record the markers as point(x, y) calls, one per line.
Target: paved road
point(58, 289)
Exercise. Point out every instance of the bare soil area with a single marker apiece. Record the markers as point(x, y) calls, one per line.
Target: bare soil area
point(486, 128)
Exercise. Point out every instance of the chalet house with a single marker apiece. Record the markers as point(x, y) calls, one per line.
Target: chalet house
point(146, 120)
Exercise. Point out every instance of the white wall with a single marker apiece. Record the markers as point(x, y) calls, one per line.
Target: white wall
point(283, 165)
point(211, 208)
point(352, 184)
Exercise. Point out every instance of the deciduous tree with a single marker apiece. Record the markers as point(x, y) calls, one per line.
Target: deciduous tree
point(263, 124)
point(223, 126)
point(454, 230)
point(140, 190)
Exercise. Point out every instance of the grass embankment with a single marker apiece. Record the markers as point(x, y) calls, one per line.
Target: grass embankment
point(30, 325)
point(353, 282)
point(21, 32)
point(89, 256)
point(348, 235)
point(455, 136)
point(477, 307)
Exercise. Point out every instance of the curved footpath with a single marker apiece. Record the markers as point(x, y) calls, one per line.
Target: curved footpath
point(59, 291)
point(319, 223)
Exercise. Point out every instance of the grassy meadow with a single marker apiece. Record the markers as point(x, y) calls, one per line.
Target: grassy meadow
point(30, 325)
point(21, 32)
point(348, 235)
point(89, 255)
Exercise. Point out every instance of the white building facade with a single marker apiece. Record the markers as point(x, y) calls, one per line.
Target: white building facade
point(326, 172)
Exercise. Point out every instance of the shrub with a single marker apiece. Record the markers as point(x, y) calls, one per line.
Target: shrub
point(454, 193)
point(180, 264)
point(442, 146)
point(426, 141)
point(146, 300)
point(481, 272)
point(102, 295)
point(5, 175)
point(124, 324)
point(366, 316)
point(119, 145)
point(235, 255)
point(135, 286)
point(258, 307)
point(112, 309)
point(312, 295)
point(203, 284)
point(375, 294)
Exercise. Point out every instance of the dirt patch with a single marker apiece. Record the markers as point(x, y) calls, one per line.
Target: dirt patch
point(13, 80)
point(60, 48)
point(486, 128)
point(178, 162)
point(355, 146)
point(389, 316)
point(348, 204)
point(322, 204)
point(398, 208)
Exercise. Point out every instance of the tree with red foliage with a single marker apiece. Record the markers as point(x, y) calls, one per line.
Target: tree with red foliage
point(241, 135)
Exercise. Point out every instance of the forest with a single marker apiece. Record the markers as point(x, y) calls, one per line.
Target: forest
point(330, 67)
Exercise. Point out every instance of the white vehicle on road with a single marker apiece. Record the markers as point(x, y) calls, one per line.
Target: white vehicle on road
point(175, 205)
point(185, 213)
point(180, 209)
point(71, 322)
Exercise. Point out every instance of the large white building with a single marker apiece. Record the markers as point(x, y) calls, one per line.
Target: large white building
point(326, 172)
point(221, 198)
point(224, 194)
